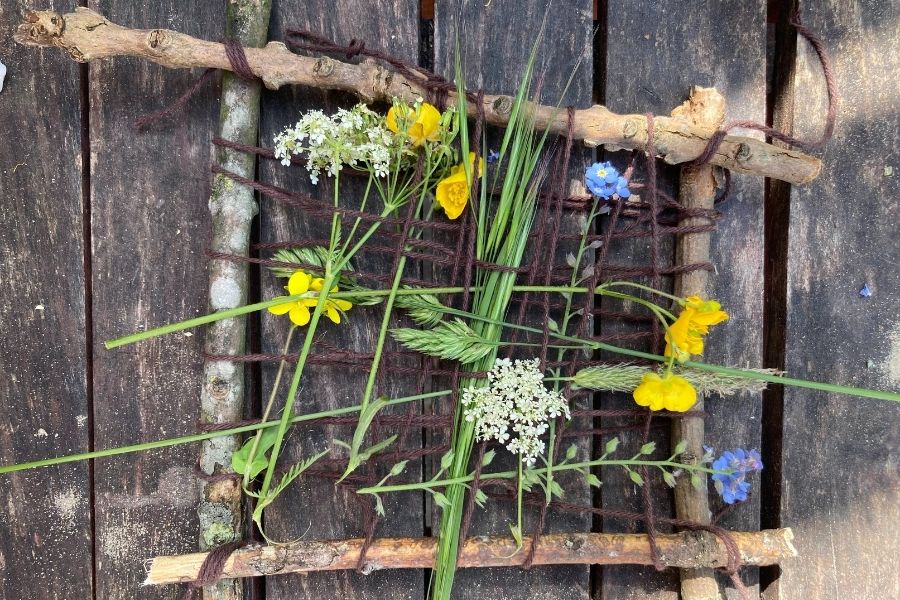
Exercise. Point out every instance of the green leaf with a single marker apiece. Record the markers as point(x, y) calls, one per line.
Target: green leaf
point(648, 448)
point(681, 447)
point(570, 260)
point(611, 445)
point(376, 448)
point(636, 477)
point(516, 534)
point(552, 325)
point(260, 462)
point(365, 421)
point(379, 507)
point(488, 457)
point(572, 452)
point(292, 474)
point(480, 498)
point(696, 482)
point(592, 480)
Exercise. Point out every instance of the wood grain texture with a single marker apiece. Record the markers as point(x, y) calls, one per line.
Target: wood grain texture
point(655, 53)
point(45, 521)
point(150, 226)
point(495, 41)
point(840, 479)
point(315, 508)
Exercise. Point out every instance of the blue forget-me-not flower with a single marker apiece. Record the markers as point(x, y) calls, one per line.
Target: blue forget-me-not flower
point(734, 486)
point(603, 180)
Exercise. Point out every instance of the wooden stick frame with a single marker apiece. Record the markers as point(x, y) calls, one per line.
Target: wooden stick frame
point(689, 549)
point(87, 35)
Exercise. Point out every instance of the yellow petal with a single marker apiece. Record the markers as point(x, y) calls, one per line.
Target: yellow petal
point(680, 394)
point(280, 309)
point(316, 284)
point(430, 118)
point(298, 283)
point(391, 120)
point(649, 392)
point(333, 314)
point(299, 315)
point(343, 305)
point(309, 302)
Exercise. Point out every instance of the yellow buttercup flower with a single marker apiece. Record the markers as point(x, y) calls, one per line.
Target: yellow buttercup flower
point(669, 392)
point(421, 124)
point(684, 337)
point(452, 192)
point(298, 311)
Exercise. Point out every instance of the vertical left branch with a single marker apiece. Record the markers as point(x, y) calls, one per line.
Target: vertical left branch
point(232, 207)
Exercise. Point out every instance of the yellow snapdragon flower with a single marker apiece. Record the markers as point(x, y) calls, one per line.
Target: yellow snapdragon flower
point(669, 392)
point(421, 124)
point(452, 192)
point(298, 311)
point(684, 337)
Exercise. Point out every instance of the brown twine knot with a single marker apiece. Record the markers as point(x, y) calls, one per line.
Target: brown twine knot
point(213, 566)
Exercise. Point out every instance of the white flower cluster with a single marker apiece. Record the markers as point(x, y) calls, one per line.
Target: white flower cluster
point(514, 402)
point(355, 137)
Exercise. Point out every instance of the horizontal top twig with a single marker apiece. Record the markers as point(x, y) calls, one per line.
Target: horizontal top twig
point(87, 35)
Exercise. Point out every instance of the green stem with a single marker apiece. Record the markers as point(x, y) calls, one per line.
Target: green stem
point(677, 299)
point(265, 417)
point(199, 437)
point(249, 308)
point(421, 485)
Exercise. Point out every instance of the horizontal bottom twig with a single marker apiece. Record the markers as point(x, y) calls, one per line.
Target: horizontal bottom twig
point(689, 549)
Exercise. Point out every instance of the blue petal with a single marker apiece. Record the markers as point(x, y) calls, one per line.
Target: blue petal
point(624, 192)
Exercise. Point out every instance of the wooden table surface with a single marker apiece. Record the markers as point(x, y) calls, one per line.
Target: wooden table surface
point(103, 230)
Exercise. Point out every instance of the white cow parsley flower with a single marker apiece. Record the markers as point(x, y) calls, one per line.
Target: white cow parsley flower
point(515, 403)
point(356, 137)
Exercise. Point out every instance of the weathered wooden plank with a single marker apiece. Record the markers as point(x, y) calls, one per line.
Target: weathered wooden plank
point(150, 224)
point(494, 53)
point(655, 53)
point(840, 482)
point(45, 523)
point(315, 508)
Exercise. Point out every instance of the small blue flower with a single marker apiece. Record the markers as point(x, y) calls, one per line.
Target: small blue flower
point(603, 180)
point(733, 486)
point(493, 156)
point(865, 292)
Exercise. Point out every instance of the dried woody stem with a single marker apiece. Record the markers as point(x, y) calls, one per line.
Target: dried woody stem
point(686, 550)
point(87, 35)
point(232, 209)
point(704, 109)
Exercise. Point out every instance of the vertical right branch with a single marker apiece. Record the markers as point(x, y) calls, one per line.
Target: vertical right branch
point(697, 189)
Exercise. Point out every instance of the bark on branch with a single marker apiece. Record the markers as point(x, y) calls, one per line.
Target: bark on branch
point(697, 189)
point(87, 35)
point(685, 550)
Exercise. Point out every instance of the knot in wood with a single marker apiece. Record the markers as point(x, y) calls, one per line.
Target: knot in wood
point(157, 38)
point(45, 24)
point(219, 388)
point(324, 67)
point(744, 153)
point(630, 129)
point(502, 105)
